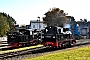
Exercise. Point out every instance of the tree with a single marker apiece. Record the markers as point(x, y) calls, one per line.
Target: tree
point(55, 17)
point(11, 21)
point(3, 26)
point(6, 23)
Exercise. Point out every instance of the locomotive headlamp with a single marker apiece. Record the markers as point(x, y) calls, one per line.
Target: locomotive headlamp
point(53, 36)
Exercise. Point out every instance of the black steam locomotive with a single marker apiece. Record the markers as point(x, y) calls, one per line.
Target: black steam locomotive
point(22, 37)
point(57, 37)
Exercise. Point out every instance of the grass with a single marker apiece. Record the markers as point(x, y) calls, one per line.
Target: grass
point(82, 53)
point(18, 49)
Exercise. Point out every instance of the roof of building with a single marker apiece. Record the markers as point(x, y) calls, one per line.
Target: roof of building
point(36, 21)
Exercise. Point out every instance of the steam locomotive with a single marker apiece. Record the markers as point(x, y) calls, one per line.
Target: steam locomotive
point(57, 37)
point(21, 38)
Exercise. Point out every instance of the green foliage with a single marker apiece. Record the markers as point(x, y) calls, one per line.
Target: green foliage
point(6, 23)
point(55, 17)
point(76, 54)
point(11, 21)
point(3, 25)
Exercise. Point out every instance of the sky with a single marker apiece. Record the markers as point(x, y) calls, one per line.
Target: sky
point(25, 10)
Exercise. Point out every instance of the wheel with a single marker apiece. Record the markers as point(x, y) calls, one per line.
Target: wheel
point(60, 45)
point(69, 45)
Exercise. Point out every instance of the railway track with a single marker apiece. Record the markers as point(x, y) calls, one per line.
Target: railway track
point(17, 55)
point(78, 44)
point(6, 55)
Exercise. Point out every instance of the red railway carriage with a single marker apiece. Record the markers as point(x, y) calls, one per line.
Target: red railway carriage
point(56, 37)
